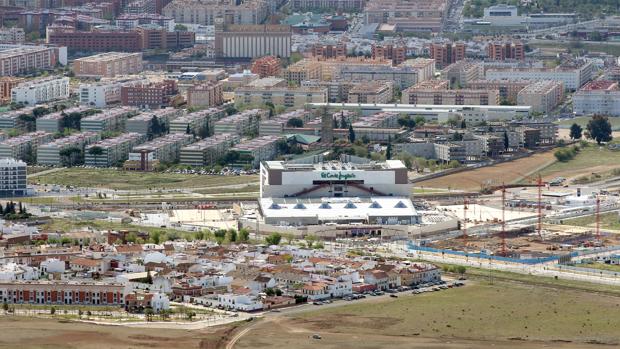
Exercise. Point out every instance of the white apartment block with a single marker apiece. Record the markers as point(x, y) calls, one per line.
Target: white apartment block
point(113, 150)
point(104, 93)
point(12, 35)
point(573, 76)
point(41, 90)
point(598, 97)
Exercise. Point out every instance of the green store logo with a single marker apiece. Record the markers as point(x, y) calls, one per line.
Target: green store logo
point(337, 175)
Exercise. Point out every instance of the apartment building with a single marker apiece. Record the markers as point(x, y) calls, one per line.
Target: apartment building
point(206, 94)
point(407, 16)
point(12, 119)
point(13, 178)
point(41, 90)
point(143, 123)
point(275, 91)
point(164, 149)
point(109, 65)
point(404, 75)
point(153, 95)
point(252, 41)
point(132, 21)
point(277, 124)
point(62, 292)
point(12, 35)
point(378, 120)
point(55, 122)
point(573, 74)
point(500, 51)
point(337, 90)
point(306, 69)
point(332, 5)
point(445, 54)
point(546, 132)
point(321, 51)
point(154, 37)
point(6, 85)
point(24, 147)
point(598, 97)
point(206, 12)
point(199, 123)
point(112, 151)
point(396, 54)
point(207, 151)
point(462, 73)
point(109, 120)
point(372, 92)
point(242, 123)
point(436, 93)
point(104, 93)
point(542, 96)
point(19, 59)
point(258, 149)
point(508, 89)
point(51, 153)
point(266, 66)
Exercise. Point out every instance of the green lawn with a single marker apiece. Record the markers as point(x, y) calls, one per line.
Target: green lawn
point(67, 225)
point(612, 49)
point(125, 180)
point(600, 266)
point(583, 122)
point(482, 311)
point(587, 158)
point(609, 220)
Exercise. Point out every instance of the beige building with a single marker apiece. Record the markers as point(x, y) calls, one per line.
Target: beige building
point(206, 94)
point(252, 41)
point(378, 92)
point(508, 89)
point(276, 91)
point(435, 92)
point(108, 65)
point(542, 96)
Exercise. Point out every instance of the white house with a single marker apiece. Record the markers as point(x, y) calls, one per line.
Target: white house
point(244, 302)
point(12, 272)
point(52, 265)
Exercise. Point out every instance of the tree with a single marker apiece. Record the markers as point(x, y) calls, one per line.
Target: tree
point(188, 129)
point(463, 124)
point(388, 151)
point(599, 129)
point(295, 122)
point(460, 269)
point(148, 312)
point(351, 134)
point(576, 131)
point(343, 120)
point(180, 27)
point(149, 278)
point(52, 311)
point(95, 151)
point(273, 239)
point(232, 235)
point(506, 141)
point(244, 235)
point(5, 307)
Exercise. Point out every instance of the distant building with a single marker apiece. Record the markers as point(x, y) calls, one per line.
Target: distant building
point(499, 51)
point(109, 65)
point(598, 97)
point(41, 90)
point(372, 92)
point(252, 41)
point(445, 54)
point(206, 94)
point(152, 95)
point(396, 54)
point(12, 35)
point(542, 96)
point(266, 66)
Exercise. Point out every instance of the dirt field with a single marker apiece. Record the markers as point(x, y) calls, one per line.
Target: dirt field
point(502, 315)
point(508, 172)
point(32, 333)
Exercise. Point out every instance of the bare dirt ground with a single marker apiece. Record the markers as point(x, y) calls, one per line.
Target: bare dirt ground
point(31, 333)
point(508, 172)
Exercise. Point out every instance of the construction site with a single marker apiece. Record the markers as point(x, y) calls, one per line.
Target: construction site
point(539, 223)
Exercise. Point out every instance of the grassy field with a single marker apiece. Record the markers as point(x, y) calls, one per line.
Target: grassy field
point(590, 46)
point(593, 159)
point(124, 180)
point(67, 225)
point(609, 220)
point(36, 333)
point(601, 266)
point(583, 122)
point(508, 172)
point(481, 315)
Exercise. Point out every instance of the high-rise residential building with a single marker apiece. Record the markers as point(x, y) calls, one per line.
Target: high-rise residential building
point(321, 51)
point(259, 93)
point(12, 35)
point(205, 94)
point(542, 96)
point(445, 54)
point(13, 178)
point(396, 54)
point(24, 147)
point(378, 92)
point(108, 65)
point(500, 51)
point(266, 66)
point(42, 90)
point(252, 41)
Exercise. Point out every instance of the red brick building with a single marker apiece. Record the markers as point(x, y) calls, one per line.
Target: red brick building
point(266, 66)
point(397, 54)
point(500, 51)
point(329, 51)
point(446, 54)
point(153, 95)
point(62, 292)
